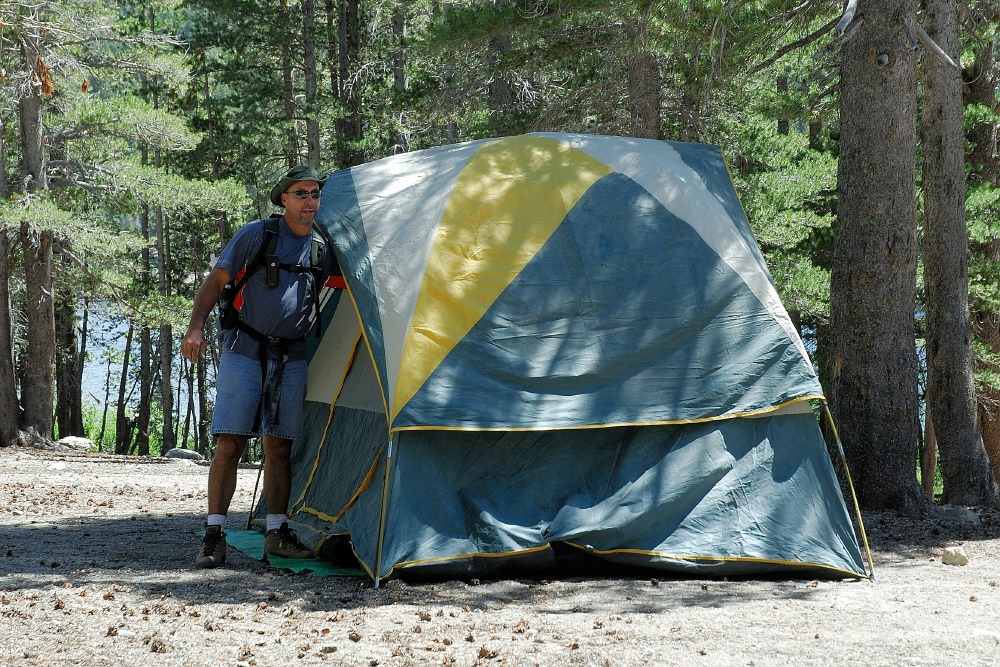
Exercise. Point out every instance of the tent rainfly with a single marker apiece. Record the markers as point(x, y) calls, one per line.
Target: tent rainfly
point(559, 343)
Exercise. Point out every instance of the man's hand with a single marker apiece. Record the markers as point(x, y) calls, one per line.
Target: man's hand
point(193, 343)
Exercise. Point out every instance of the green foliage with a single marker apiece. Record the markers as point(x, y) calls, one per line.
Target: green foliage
point(787, 190)
point(982, 212)
point(92, 415)
point(39, 212)
point(126, 118)
point(180, 106)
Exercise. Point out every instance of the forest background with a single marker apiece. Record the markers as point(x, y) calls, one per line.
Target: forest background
point(136, 136)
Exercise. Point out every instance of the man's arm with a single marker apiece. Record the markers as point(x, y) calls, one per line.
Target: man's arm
point(193, 343)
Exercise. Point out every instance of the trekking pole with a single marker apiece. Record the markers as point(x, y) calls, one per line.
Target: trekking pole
point(253, 498)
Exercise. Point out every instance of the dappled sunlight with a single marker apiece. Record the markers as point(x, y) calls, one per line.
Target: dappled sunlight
point(504, 206)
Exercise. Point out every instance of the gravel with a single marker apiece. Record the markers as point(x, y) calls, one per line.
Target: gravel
point(96, 568)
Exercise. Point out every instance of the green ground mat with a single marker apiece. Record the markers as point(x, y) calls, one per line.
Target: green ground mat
point(251, 543)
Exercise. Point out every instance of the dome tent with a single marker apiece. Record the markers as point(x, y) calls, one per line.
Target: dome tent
point(558, 339)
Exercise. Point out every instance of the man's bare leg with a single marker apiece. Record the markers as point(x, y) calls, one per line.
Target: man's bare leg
point(277, 473)
point(222, 477)
point(277, 489)
point(223, 472)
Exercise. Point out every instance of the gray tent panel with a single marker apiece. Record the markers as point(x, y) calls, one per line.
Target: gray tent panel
point(744, 496)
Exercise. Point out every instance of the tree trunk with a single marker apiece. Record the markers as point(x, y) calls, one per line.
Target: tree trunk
point(816, 135)
point(39, 356)
point(123, 425)
point(333, 45)
point(310, 75)
point(29, 107)
point(872, 287)
point(288, 99)
point(987, 327)
point(965, 468)
point(689, 110)
point(782, 85)
point(142, 414)
point(3, 161)
point(980, 80)
point(104, 411)
point(928, 455)
point(401, 142)
point(69, 359)
point(645, 96)
point(168, 438)
point(204, 418)
point(40, 348)
point(349, 126)
point(10, 409)
point(499, 90)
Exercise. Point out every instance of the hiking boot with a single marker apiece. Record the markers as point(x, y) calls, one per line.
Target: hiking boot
point(213, 548)
point(283, 542)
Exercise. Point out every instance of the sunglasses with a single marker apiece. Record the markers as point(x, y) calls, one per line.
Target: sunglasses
point(305, 194)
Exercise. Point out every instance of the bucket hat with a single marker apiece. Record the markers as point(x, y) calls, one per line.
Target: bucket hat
point(295, 174)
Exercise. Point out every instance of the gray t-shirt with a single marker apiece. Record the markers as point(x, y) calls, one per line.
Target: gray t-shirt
point(282, 311)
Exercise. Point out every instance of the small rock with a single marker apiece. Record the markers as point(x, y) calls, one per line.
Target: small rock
point(954, 556)
point(76, 443)
point(961, 514)
point(188, 454)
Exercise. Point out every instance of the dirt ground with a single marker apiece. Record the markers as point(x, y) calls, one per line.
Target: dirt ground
point(96, 568)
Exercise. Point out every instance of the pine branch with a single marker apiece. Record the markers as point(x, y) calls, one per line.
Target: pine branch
point(797, 44)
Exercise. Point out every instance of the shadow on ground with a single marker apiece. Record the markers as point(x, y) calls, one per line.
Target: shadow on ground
point(152, 556)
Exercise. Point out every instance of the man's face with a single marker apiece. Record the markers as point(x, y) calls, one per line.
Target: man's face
point(301, 203)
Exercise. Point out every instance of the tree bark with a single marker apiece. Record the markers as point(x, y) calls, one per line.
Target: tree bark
point(204, 417)
point(782, 86)
point(499, 89)
point(310, 76)
point(690, 113)
point(3, 161)
point(872, 288)
point(965, 468)
point(401, 142)
point(69, 360)
point(40, 348)
point(168, 438)
point(39, 356)
point(288, 98)
point(816, 135)
point(645, 86)
point(10, 409)
point(123, 425)
point(349, 126)
point(142, 413)
point(104, 411)
point(333, 45)
point(29, 105)
point(980, 80)
point(928, 455)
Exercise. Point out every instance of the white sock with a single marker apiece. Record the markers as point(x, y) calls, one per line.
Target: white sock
point(216, 520)
point(274, 521)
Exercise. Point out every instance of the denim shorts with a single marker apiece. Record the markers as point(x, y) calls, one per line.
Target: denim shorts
point(240, 392)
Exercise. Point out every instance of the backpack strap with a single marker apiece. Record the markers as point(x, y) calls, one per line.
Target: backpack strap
point(317, 257)
point(231, 299)
point(268, 243)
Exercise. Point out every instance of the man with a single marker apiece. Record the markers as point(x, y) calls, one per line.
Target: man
point(261, 382)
